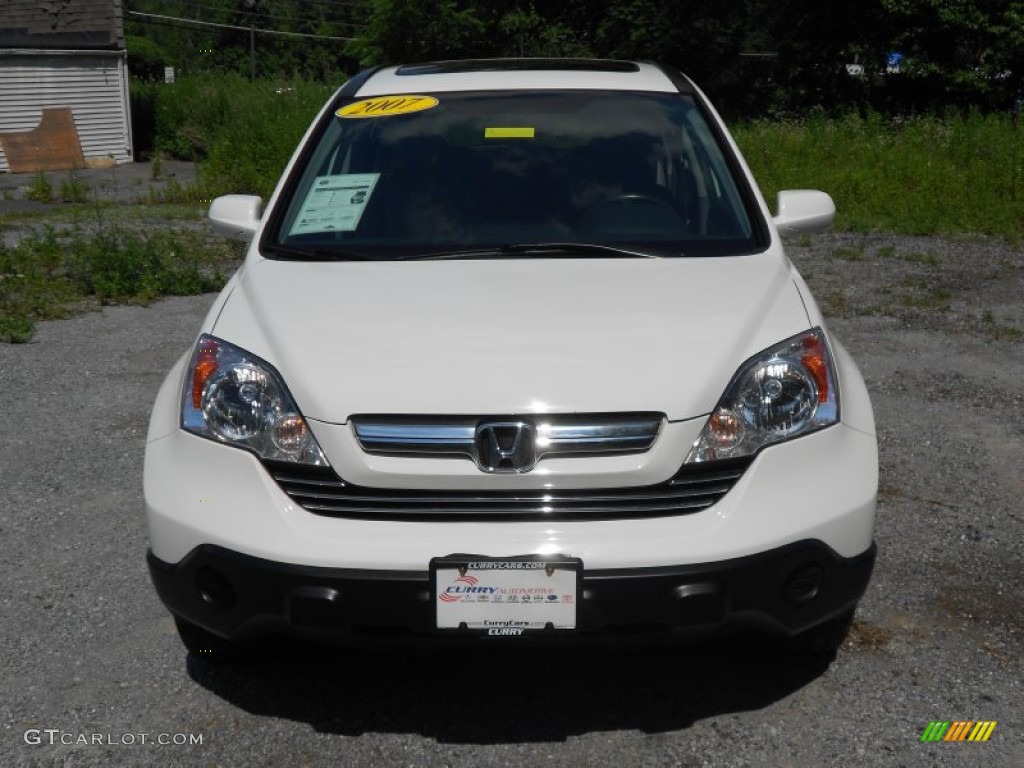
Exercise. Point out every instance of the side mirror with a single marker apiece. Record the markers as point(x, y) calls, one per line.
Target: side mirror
point(236, 216)
point(803, 211)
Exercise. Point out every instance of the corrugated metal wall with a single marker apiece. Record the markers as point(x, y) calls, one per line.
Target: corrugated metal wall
point(94, 85)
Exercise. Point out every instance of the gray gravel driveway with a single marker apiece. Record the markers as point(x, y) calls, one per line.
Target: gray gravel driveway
point(91, 668)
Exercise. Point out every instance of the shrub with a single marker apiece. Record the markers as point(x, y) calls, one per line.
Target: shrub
point(243, 133)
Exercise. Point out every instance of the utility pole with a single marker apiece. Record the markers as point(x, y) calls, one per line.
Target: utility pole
point(252, 5)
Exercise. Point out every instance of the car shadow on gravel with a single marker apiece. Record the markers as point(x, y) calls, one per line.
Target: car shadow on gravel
point(491, 694)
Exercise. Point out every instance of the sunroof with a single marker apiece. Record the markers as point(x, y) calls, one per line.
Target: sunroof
point(513, 65)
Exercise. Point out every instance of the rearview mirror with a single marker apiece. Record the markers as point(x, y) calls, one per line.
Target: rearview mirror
point(803, 211)
point(236, 216)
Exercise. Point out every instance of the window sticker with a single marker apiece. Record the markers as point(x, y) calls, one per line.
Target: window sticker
point(509, 133)
point(386, 106)
point(335, 203)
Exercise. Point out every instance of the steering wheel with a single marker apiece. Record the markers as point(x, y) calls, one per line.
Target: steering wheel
point(627, 198)
point(614, 211)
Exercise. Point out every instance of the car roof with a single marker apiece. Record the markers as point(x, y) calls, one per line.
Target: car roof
point(517, 74)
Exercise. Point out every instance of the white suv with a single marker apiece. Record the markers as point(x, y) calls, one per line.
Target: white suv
point(515, 352)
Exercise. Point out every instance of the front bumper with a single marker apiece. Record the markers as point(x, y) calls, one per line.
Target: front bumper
point(821, 487)
point(786, 591)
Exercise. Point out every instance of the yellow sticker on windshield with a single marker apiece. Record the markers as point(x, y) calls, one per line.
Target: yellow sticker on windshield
point(386, 106)
point(509, 133)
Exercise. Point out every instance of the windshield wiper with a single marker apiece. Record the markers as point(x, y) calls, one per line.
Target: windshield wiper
point(312, 254)
point(551, 250)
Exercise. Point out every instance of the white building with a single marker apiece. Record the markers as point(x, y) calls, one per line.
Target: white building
point(63, 85)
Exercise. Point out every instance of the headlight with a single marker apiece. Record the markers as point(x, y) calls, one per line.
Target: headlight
point(234, 397)
point(786, 391)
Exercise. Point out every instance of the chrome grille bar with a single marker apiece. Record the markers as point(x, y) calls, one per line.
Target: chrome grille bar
point(557, 434)
point(694, 488)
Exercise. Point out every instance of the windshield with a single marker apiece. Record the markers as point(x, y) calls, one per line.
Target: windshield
point(494, 173)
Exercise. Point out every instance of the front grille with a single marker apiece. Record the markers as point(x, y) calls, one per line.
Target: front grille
point(553, 435)
point(694, 488)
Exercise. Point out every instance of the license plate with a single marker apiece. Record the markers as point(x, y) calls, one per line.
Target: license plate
point(506, 596)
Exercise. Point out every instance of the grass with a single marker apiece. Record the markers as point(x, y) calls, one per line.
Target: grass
point(51, 274)
point(836, 302)
point(847, 253)
point(926, 259)
point(917, 176)
point(242, 133)
point(919, 294)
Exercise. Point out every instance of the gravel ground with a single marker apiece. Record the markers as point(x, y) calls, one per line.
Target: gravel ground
point(130, 184)
point(87, 649)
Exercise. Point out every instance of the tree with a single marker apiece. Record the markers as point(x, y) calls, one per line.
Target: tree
point(814, 46)
point(419, 30)
point(193, 47)
point(752, 56)
point(959, 52)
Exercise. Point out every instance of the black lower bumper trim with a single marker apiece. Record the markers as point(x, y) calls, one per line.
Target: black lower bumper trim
point(786, 591)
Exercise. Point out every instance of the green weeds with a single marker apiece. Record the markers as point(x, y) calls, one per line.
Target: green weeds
point(242, 133)
point(836, 302)
point(925, 259)
point(50, 273)
point(847, 253)
point(920, 294)
point(41, 189)
point(917, 176)
point(73, 190)
point(998, 330)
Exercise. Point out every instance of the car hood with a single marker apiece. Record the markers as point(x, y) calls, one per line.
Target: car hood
point(504, 337)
